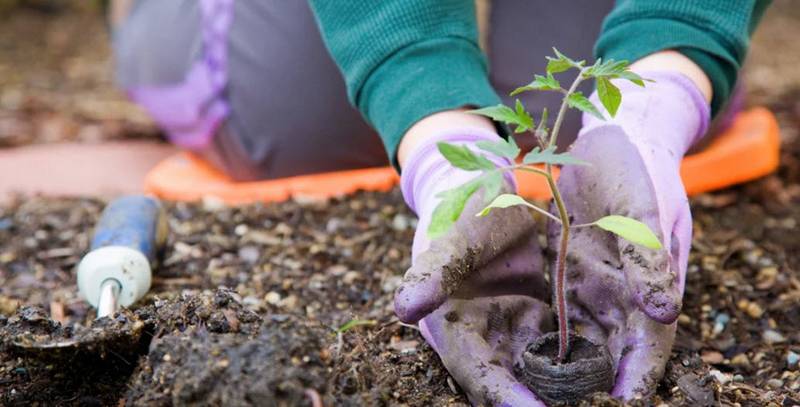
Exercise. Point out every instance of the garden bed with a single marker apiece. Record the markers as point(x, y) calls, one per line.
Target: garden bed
point(296, 271)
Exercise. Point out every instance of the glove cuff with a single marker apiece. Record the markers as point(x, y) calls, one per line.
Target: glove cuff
point(669, 111)
point(427, 172)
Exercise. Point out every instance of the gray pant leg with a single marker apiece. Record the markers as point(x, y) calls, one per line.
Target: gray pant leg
point(289, 107)
point(523, 32)
point(156, 42)
point(289, 113)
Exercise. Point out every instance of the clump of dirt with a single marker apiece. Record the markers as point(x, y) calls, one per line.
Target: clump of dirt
point(43, 361)
point(211, 351)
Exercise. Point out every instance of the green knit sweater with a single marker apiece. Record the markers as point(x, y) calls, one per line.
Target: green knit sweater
point(405, 59)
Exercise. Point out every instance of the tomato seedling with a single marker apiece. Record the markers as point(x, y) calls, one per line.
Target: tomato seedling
point(541, 160)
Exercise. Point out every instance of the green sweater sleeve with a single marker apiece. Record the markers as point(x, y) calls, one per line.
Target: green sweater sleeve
point(715, 34)
point(405, 59)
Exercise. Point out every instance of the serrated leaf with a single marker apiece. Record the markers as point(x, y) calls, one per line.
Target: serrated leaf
point(633, 77)
point(561, 63)
point(505, 115)
point(578, 101)
point(549, 156)
point(524, 119)
point(631, 230)
point(504, 148)
point(609, 95)
point(491, 181)
point(607, 69)
point(449, 208)
point(539, 83)
point(504, 201)
point(462, 157)
point(500, 113)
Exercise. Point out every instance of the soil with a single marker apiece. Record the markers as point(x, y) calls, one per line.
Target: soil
point(298, 270)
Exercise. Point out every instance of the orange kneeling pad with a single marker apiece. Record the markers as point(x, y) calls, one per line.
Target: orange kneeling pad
point(748, 149)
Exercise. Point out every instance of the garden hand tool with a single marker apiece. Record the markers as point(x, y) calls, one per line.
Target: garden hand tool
point(117, 270)
point(625, 295)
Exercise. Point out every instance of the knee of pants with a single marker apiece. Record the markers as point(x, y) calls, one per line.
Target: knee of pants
point(156, 42)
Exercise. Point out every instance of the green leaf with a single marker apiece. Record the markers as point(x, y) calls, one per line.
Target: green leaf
point(504, 201)
point(561, 63)
point(524, 119)
point(504, 148)
point(500, 113)
point(633, 77)
point(539, 83)
point(354, 323)
point(462, 157)
point(549, 156)
point(449, 209)
point(630, 229)
point(607, 69)
point(506, 115)
point(578, 101)
point(491, 181)
point(609, 94)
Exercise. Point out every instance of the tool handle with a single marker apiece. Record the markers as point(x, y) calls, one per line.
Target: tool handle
point(134, 221)
point(128, 236)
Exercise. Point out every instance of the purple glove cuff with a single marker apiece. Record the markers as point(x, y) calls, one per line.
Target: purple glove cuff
point(671, 95)
point(427, 172)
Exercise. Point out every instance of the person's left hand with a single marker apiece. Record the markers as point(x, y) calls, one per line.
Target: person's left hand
point(619, 293)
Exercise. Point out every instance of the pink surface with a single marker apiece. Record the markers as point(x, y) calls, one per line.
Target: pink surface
point(104, 169)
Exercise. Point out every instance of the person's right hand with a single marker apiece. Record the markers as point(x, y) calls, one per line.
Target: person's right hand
point(480, 286)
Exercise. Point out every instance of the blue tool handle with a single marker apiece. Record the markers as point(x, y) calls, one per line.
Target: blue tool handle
point(134, 221)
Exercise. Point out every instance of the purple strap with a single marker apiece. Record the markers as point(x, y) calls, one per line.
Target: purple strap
point(191, 111)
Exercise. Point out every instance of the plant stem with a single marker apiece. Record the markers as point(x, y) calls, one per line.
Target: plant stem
point(559, 285)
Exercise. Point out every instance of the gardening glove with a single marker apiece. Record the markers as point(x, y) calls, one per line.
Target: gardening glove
point(478, 283)
point(619, 293)
point(439, 266)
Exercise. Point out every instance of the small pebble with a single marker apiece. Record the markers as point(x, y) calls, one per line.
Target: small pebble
point(722, 378)
point(772, 337)
point(712, 357)
point(741, 360)
point(720, 322)
point(775, 383)
point(792, 358)
point(350, 277)
point(754, 310)
point(272, 298)
point(400, 222)
point(738, 378)
point(249, 254)
point(240, 229)
point(684, 319)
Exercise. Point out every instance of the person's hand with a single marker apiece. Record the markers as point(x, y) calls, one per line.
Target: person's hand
point(479, 286)
point(621, 294)
point(481, 331)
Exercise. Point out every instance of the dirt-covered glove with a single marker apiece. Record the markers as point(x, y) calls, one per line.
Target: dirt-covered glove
point(481, 332)
point(440, 266)
point(621, 294)
point(477, 285)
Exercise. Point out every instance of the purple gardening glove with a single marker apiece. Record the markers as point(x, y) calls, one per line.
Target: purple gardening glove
point(477, 285)
point(621, 294)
